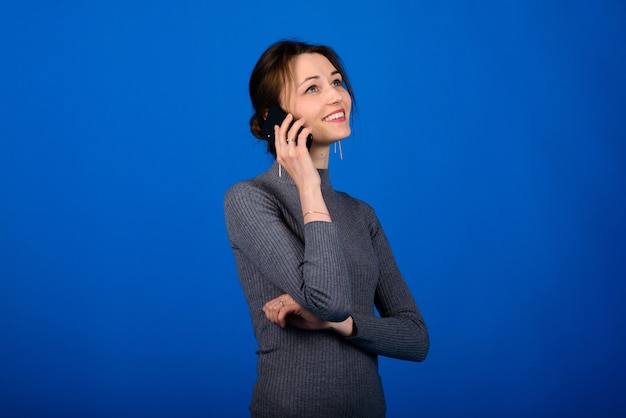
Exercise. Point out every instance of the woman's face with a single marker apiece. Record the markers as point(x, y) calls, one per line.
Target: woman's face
point(318, 95)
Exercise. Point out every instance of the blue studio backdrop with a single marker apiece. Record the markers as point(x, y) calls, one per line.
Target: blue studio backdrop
point(490, 138)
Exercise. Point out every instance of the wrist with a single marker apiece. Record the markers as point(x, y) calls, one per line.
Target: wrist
point(313, 206)
point(319, 215)
point(345, 328)
point(311, 194)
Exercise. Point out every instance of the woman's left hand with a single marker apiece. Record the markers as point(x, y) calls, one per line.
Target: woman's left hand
point(284, 310)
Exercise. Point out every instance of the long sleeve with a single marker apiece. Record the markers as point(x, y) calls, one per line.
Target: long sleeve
point(400, 331)
point(305, 261)
point(334, 270)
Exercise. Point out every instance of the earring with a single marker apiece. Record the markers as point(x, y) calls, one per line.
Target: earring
point(340, 151)
point(280, 170)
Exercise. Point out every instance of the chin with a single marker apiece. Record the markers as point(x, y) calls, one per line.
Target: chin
point(345, 134)
point(332, 135)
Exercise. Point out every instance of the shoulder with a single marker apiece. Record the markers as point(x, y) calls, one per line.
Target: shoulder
point(356, 205)
point(241, 190)
point(253, 197)
point(363, 211)
point(246, 192)
point(246, 189)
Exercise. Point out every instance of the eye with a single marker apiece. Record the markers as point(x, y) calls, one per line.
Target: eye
point(312, 89)
point(337, 83)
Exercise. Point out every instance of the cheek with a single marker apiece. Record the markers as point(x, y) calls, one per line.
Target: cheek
point(301, 110)
point(289, 102)
point(347, 100)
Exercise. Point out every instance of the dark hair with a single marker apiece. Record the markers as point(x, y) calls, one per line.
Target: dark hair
point(271, 73)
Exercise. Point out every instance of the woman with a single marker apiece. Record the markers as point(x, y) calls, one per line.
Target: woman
point(314, 263)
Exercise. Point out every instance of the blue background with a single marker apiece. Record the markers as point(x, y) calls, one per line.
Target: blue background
point(490, 138)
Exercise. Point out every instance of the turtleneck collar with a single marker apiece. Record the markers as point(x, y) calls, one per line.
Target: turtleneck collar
point(287, 180)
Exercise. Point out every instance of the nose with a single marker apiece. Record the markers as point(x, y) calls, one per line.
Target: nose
point(334, 96)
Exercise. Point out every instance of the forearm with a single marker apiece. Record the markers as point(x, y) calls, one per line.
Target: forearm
point(325, 288)
point(344, 328)
point(307, 264)
point(404, 338)
point(313, 205)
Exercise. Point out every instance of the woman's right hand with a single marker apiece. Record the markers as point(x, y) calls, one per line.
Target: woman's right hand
point(285, 310)
point(293, 155)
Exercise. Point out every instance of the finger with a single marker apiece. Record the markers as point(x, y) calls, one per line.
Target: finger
point(284, 126)
point(282, 315)
point(294, 128)
point(283, 311)
point(292, 134)
point(273, 312)
point(270, 310)
point(284, 130)
point(295, 132)
point(279, 144)
point(273, 308)
point(268, 305)
point(276, 300)
point(302, 137)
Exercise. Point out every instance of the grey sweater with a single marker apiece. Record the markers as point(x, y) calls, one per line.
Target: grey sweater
point(335, 270)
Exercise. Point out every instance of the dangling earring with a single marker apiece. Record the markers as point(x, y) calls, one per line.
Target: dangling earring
point(280, 170)
point(340, 151)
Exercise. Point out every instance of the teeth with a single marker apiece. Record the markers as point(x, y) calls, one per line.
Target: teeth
point(334, 116)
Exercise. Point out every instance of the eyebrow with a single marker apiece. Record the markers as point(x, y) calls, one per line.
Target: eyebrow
point(316, 77)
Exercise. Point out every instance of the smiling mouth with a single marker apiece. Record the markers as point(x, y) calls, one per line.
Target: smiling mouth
point(337, 115)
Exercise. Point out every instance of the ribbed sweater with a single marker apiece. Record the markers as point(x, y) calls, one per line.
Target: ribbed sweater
point(335, 270)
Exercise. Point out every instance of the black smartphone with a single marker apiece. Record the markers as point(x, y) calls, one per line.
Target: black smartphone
point(276, 116)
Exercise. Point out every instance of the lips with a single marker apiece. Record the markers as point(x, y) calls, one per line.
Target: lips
point(334, 116)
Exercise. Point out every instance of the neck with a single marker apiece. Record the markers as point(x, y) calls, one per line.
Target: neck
point(319, 155)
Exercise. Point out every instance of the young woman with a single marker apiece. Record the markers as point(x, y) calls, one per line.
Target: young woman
point(314, 263)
